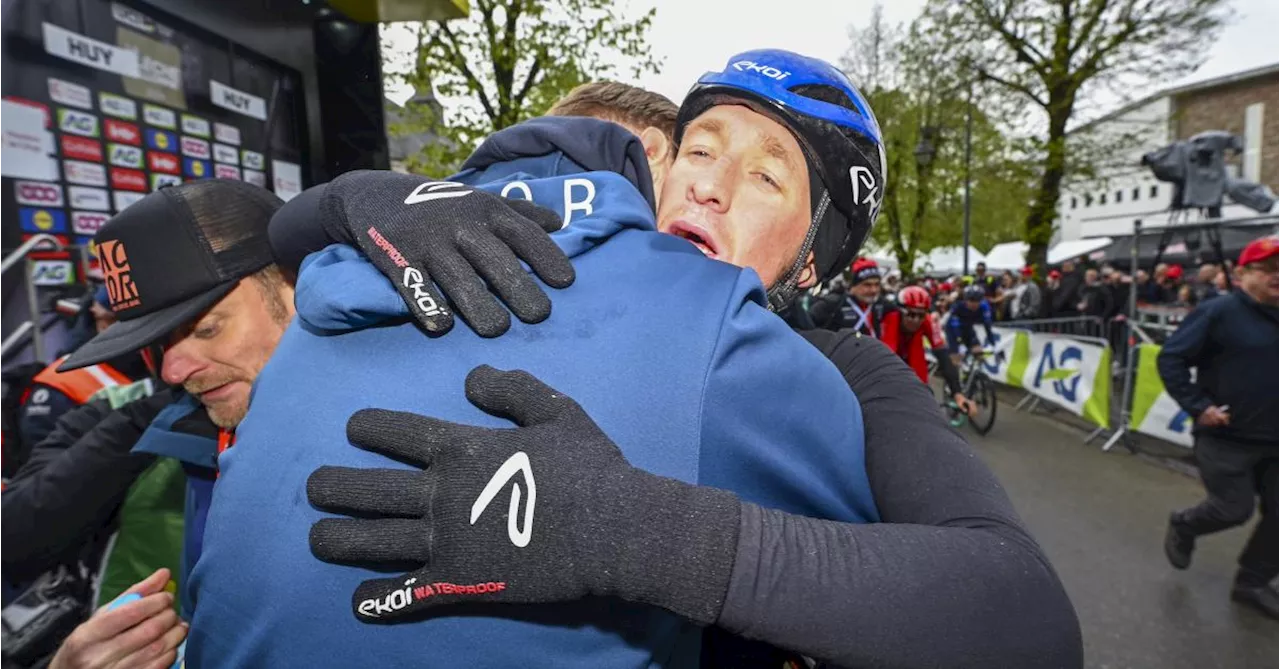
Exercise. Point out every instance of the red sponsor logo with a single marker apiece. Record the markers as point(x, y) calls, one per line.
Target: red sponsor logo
point(37, 193)
point(128, 179)
point(125, 133)
point(392, 252)
point(121, 290)
point(44, 109)
point(196, 148)
point(82, 149)
point(163, 162)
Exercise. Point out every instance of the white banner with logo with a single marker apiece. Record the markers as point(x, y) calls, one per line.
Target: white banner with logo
point(1154, 412)
point(1009, 356)
point(1072, 374)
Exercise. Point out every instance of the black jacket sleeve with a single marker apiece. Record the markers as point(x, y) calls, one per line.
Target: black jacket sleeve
point(298, 229)
point(72, 484)
point(951, 578)
point(41, 412)
point(1180, 353)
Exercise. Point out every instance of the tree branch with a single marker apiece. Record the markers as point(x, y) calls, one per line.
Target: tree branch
point(460, 63)
point(1018, 87)
point(529, 81)
point(1015, 42)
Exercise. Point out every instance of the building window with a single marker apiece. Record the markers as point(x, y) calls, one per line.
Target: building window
point(1155, 191)
point(1073, 203)
point(1119, 196)
point(1137, 193)
point(1102, 199)
point(1088, 199)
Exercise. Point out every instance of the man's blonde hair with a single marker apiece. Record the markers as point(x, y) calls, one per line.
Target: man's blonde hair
point(620, 103)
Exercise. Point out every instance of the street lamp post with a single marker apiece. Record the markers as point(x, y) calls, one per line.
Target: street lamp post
point(968, 157)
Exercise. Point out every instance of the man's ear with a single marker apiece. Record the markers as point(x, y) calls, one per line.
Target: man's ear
point(657, 146)
point(809, 275)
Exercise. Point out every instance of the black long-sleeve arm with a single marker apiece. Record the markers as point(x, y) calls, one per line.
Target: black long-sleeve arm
point(950, 375)
point(72, 485)
point(951, 578)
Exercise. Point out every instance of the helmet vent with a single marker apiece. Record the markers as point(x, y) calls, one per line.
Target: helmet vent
point(824, 93)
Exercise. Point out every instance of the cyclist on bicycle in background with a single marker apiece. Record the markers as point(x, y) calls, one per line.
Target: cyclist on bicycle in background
point(966, 314)
point(906, 329)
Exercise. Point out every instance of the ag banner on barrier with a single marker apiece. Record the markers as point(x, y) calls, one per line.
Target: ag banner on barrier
point(1009, 359)
point(1072, 374)
point(1154, 412)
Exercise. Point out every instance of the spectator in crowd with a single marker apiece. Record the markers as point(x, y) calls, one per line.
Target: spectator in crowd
point(1025, 303)
point(1232, 344)
point(1094, 298)
point(1222, 282)
point(1205, 285)
point(1066, 298)
point(990, 284)
point(1186, 297)
point(52, 393)
point(862, 309)
point(1171, 283)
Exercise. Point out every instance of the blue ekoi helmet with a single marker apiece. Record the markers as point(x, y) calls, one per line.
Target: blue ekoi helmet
point(836, 130)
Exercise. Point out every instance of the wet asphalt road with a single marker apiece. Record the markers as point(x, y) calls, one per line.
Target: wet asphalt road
point(1101, 517)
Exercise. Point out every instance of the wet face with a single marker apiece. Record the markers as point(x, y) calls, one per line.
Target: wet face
point(867, 292)
point(1261, 280)
point(739, 191)
point(217, 357)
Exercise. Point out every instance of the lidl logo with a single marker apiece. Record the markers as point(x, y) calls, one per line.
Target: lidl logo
point(43, 220)
point(161, 140)
point(196, 169)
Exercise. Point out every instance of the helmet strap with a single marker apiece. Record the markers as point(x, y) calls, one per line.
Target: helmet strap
point(785, 289)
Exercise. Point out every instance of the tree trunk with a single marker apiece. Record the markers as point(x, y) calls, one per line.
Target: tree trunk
point(1044, 208)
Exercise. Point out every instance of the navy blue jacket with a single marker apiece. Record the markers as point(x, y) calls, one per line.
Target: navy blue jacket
point(1232, 343)
point(674, 355)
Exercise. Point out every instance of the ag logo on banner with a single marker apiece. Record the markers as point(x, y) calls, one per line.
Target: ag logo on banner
point(1071, 374)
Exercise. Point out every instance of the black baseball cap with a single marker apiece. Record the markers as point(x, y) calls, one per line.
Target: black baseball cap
point(172, 255)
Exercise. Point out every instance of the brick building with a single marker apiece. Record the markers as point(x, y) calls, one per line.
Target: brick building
point(1245, 103)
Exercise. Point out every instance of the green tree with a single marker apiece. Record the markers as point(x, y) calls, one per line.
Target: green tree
point(912, 78)
point(1049, 55)
point(510, 61)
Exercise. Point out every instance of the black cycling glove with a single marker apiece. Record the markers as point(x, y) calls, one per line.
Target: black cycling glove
point(548, 512)
point(421, 233)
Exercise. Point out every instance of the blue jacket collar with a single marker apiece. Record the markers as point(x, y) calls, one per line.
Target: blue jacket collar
point(161, 437)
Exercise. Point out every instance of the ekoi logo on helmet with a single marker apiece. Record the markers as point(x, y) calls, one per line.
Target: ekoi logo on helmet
point(767, 70)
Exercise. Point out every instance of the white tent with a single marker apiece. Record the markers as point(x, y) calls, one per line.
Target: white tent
point(884, 257)
point(948, 260)
point(1072, 249)
point(1008, 256)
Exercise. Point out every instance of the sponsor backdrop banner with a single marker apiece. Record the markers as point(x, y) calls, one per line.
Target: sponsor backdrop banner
point(114, 102)
point(1154, 412)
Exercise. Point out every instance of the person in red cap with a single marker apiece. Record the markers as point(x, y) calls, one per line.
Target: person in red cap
point(1232, 344)
point(862, 309)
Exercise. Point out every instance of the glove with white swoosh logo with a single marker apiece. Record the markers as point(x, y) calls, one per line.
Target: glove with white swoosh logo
point(550, 511)
point(421, 233)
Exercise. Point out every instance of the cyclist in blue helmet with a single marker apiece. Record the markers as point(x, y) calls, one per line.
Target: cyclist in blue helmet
point(708, 197)
point(776, 147)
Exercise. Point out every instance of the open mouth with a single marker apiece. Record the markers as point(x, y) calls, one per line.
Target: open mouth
point(699, 237)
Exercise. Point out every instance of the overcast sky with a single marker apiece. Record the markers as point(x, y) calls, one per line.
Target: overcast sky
point(695, 36)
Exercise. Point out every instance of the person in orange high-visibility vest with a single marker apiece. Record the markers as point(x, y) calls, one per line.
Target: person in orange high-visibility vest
point(53, 393)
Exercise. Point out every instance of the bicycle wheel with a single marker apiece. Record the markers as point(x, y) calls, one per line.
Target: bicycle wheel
point(985, 397)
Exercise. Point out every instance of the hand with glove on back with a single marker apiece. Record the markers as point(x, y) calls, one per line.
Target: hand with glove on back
point(581, 520)
point(433, 238)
